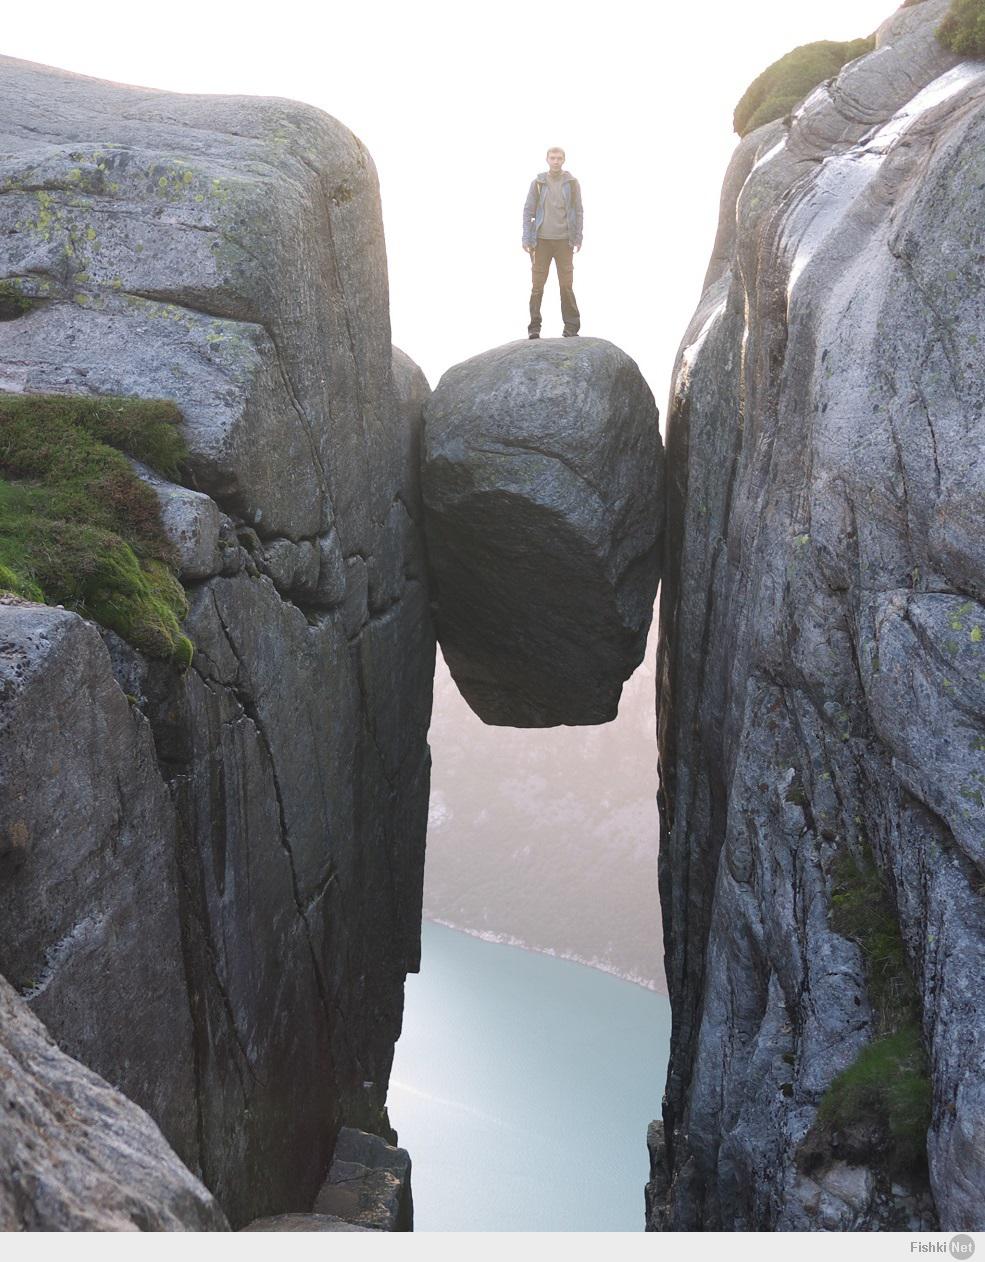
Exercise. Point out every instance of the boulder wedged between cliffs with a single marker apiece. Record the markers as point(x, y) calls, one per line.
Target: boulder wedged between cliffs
point(542, 481)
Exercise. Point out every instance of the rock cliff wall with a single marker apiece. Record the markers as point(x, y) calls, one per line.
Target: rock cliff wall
point(820, 672)
point(211, 881)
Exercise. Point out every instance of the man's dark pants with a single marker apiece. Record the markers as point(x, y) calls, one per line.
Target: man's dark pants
point(562, 254)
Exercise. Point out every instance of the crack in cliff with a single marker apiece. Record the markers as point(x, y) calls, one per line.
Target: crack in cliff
point(250, 708)
point(212, 957)
point(218, 313)
point(922, 399)
point(897, 447)
point(347, 320)
point(178, 784)
point(945, 334)
point(382, 615)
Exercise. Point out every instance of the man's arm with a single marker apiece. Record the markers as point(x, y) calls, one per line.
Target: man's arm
point(579, 213)
point(529, 217)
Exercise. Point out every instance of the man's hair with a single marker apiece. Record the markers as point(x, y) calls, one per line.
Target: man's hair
point(556, 149)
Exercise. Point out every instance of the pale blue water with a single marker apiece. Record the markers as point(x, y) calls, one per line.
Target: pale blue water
point(522, 1087)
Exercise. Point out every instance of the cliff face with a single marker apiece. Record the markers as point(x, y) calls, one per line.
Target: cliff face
point(210, 886)
point(821, 663)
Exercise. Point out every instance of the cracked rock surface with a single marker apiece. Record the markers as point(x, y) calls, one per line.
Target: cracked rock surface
point(236, 963)
point(89, 908)
point(76, 1154)
point(823, 645)
point(542, 482)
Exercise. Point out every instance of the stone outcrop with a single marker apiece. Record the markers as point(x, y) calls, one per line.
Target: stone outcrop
point(823, 645)
point(367, 1189)
point(368, 1184)
point(89, 903)
point(543, 501)
point(212, 895)
point(75, 1154)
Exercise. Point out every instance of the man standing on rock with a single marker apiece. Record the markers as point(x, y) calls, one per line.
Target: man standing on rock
point(552, 220)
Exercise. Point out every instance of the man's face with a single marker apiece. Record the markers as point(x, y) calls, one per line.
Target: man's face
point(555, 159)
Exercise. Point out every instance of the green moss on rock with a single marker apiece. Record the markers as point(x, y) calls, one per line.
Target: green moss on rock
point(862, 910)
point(878, 1110)
point(77, 525)
point(963, 28)
point(783, 85)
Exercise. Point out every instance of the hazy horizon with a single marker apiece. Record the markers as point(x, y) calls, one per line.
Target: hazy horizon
point(642, 102)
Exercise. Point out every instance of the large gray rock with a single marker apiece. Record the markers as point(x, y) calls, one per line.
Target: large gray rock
point(224, 252)
point(89, 915)
point(75, 1154)
point(823, 626)
point(543, 491)
point(368, 1183)
point(236, 962)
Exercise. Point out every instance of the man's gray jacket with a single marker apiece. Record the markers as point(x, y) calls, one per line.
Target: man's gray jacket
point(533, 208)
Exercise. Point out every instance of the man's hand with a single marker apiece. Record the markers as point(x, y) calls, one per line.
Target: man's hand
point(529, 249)
point(575, 249)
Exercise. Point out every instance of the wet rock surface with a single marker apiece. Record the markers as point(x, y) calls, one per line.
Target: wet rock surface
point(822, 618)
point(226, 253)
point(75, 1154)
point(542, 483)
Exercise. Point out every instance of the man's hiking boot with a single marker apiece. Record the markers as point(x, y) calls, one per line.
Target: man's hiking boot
point(532, 336)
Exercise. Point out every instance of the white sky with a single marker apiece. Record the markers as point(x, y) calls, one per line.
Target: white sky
point(458, 103)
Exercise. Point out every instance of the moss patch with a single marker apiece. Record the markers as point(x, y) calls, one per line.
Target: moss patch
point(877, 1111)
point(13, 301)
point(783, 85)
point(861, 909)
point(963, 28)
point(78, 527)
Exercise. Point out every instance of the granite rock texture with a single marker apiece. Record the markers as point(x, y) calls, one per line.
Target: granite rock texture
point(542, 483)
point(89, 905)
point(368, 1184)
point(226, 253)
point(823, 644)
point(76, 1154)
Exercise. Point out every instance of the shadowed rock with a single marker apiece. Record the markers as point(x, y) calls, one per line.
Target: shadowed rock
point(368, 1184)
point(77, 1155)
point(543, 490)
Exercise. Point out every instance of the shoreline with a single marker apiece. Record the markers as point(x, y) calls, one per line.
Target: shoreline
point(507, 939)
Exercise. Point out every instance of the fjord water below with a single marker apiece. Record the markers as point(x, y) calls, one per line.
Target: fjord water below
point(522, 1087)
